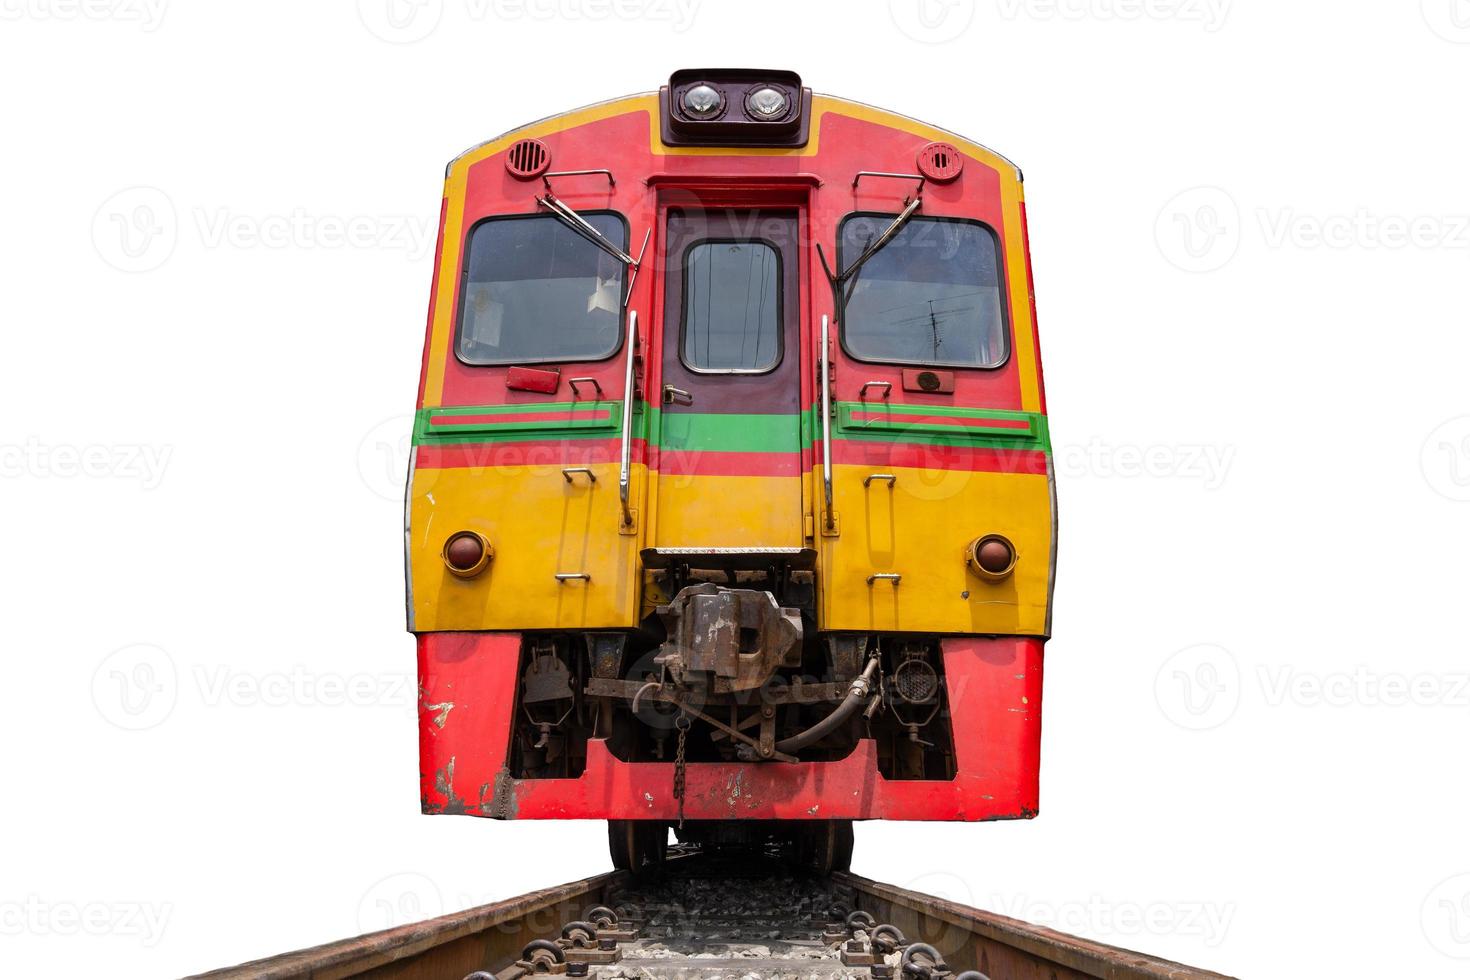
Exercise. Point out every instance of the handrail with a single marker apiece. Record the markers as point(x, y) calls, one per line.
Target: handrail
point(625, 473)
point(826, 370)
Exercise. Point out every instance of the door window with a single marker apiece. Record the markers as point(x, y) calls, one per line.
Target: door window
point(732, 307)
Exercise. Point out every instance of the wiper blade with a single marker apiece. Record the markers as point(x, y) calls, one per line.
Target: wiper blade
point(883, 239)
point(581, 226)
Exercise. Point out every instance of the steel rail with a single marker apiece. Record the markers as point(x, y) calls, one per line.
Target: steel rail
point(491, 937)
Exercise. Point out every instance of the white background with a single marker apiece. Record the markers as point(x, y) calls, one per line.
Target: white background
point(1250, 234)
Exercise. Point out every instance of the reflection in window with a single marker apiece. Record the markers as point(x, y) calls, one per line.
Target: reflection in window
point(930, 296)
point(535, 290)
point(732, 308)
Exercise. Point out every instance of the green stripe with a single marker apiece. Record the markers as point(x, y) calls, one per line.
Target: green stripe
point(710, 432)
point(748, 433)
point(1036, 436)
point(598, 420)
point(911, 419)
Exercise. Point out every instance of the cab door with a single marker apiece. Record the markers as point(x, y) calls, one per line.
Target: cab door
point(729, 422)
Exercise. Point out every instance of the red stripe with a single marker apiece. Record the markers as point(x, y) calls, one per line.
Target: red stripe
point(540, 452)
point(859, 415)
point(707, 463)
point(959, 458)
point(562, 416)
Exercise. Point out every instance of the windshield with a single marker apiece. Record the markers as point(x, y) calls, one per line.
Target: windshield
point(535, 290)
point(931, 295)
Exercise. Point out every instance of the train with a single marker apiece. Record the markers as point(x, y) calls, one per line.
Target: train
point(731, 509)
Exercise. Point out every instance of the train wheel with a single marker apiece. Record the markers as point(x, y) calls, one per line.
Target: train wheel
point(636, 845)
point(826, 846)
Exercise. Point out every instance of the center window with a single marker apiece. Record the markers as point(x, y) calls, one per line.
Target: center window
point(931, 295)
point(535, 290)
point(732, 307)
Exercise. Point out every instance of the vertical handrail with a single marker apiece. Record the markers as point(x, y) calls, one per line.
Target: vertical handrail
point(626, 472)
point(826, 370)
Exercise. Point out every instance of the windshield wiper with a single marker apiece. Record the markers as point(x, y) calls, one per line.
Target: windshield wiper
point(880, 241)
point(581, 226)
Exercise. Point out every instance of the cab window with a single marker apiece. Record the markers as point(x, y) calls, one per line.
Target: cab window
point(535, 290)
point(932, 295)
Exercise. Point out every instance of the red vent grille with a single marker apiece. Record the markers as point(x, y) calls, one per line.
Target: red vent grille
point(940, 162)
point(527, 159)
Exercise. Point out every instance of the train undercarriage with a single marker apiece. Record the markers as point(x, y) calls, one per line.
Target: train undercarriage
point(731, 669)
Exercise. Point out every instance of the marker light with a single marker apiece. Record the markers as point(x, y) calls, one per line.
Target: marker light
point(467, 553)
point(766, 103)
point(992, 557)
point(702, 102)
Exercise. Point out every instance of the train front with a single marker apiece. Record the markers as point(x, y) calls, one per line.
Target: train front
point(730, 506)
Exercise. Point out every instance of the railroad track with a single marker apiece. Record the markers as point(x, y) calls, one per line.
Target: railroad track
point(702, 919)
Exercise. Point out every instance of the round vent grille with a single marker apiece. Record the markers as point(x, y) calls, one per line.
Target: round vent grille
point(527, 158)
point(940, 162)
point(915, 682)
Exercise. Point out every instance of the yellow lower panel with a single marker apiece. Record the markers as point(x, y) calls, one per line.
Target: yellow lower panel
point(539, 525)
point(729, 511)
point(919, 529)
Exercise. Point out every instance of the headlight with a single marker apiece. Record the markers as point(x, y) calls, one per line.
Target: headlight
point(702, 102)
point(766, 103)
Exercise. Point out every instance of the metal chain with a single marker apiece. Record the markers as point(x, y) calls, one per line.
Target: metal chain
point(682, 724)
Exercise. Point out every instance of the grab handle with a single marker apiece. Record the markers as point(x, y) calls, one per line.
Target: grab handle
point(625, 473)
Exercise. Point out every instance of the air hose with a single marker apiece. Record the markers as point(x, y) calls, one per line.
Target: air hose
point(856, 695)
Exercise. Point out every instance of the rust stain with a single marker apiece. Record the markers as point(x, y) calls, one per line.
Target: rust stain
point(443, 708)
point(503, 802)
point(444, 784)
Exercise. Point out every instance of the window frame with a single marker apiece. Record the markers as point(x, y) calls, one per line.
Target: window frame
point(1007, 331)
point(464, 293)
point(780, 304)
